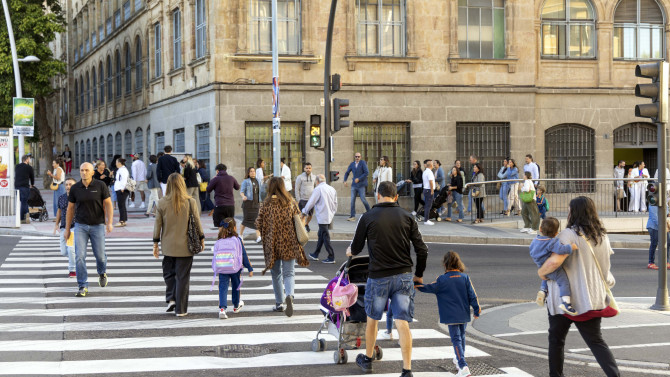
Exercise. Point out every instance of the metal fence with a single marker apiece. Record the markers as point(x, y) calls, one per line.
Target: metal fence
point(605, 195)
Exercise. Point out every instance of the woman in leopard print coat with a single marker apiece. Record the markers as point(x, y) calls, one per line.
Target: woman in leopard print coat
point(280, 243)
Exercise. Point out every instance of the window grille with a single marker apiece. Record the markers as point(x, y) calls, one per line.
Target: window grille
point(94, 152)
point(381, 27)
point(635, 135)
point(481, 29)
point(157, 49)
point(258, 143)
point(128, 71)
point(374, 140)
point(110, 148)
point(139, 142)
point(118, 148)
point(288, 28)
point(568, 29)
point(489, 142)
point(88, 150)
point(160, 141)
point(178, 137)
point(638, 30)
point(200, 29)
point(176, 39)
point(202, 143)
point(569, 153)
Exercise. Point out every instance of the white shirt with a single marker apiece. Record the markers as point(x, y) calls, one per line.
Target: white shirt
point(286, 175)
point(139, 171)
point(121, 179)
point(324, 202)
point(528, 186)
point(619, 173)
point(428, 177)
point(384, 174)
point(259, 176)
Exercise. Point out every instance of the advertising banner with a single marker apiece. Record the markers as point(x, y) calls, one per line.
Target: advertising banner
point(5, 150)
point(23, 116)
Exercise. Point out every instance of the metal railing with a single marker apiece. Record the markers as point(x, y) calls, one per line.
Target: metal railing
point(602, 191)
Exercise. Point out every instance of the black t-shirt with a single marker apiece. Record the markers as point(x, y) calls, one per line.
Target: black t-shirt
point(88, 202)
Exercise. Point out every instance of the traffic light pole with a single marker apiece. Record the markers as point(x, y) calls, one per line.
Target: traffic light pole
point(276, 123)
point(662, 302)
point(326, 91)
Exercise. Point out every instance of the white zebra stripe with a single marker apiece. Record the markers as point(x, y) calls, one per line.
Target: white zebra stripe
point(301, 274)
point(151, 288)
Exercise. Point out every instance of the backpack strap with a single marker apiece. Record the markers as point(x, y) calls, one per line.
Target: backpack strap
point(244, 251)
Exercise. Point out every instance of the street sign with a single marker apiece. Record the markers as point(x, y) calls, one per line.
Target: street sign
point(23, 116)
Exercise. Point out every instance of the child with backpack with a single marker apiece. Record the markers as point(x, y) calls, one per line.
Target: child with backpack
point(455, 295)
point(542, 203)
point(229, 257)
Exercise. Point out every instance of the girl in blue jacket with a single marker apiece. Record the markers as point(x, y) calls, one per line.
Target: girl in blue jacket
point(455, 295)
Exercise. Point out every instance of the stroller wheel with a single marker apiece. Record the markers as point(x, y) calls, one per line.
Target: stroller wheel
point(439, 219)
point(322, 343)
point(340, 356)
point(378, 353)
point(318, 345)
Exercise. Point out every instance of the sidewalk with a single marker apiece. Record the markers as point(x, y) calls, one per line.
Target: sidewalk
point(140, 226)
point(634, 336)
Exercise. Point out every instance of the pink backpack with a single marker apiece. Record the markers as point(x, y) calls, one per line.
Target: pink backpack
point(344, 296)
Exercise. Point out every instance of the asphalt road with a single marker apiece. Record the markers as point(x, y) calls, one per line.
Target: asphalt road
point(501, 275)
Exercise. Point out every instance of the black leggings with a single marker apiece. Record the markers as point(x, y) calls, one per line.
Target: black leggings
point(121, 199)
point(480, 209)
point(418, 193)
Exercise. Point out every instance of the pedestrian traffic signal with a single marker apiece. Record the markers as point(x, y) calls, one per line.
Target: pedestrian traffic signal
point(657, 91)
point(653, 193)
point(334, 175)
point(315, 131)
point(339, 113)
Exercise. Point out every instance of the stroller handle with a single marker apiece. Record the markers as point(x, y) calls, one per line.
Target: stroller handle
point(346, 266)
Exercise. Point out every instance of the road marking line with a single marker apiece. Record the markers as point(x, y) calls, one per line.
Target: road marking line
point(300, 275)
point(508, 372)
point(648, 345)
point(149, 288)
point(544, 332)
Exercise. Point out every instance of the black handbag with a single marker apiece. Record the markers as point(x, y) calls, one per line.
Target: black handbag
point(192, 235)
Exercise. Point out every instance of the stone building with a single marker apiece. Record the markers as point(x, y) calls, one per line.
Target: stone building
point(425, 79)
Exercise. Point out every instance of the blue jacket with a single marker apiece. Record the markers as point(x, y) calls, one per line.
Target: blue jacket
point(248, 189)
point(652, 221)
point(361, 172)
point(455, 295)
point(439, 177)
point(512, 173)
point(542, 247)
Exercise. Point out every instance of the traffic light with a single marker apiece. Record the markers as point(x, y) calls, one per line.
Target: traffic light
point(334, 175)
point(653, 193)
point(315, 131)
point(335, 82)
point(339, 114)
point(657, 91)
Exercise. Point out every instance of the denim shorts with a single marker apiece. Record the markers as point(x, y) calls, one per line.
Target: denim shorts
point(398, 288)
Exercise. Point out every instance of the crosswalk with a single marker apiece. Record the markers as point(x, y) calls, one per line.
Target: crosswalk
point(122, 328)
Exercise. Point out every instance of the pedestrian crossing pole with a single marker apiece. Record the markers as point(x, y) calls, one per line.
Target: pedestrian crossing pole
point(328, 150)
point(276, 128)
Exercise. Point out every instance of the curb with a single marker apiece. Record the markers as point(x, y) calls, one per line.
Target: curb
point(20, 232)
point(542, 352)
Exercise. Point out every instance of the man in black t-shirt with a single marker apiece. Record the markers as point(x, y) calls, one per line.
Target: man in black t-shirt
point(24, 178)
point(91, 208)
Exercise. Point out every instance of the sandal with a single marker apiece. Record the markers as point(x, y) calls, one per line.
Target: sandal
point(459, 221)
point(447, 219)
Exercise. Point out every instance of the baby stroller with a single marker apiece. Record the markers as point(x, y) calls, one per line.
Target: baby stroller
point(348, 329)
point(437, 203)
point(37, 207)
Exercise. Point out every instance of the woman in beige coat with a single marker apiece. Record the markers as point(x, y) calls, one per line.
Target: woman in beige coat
point(170, 229)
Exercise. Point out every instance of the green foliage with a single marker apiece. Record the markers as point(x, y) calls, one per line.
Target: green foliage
point(35, 24)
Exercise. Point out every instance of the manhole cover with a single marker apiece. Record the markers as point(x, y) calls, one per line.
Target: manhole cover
point(238, 351)
point(482, 369)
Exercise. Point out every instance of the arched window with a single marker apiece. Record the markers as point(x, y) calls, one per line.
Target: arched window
point(94, 88)
point(638, 30)
point(148, 141)
point(128, 68)
point(88, 150)
point(128, 143)
point(110, 150)
point(101, 75)
point(569, 153)
point(76, 95)
point(82, 109)
point(139, 142)
point(481, 29)
point(110, 89)
point(118, 74)
point(94, 151)
point(568, 29)
point(138, 63)
point(101, 152)
point(76, 153)
point(117, 144)
point(88, 91)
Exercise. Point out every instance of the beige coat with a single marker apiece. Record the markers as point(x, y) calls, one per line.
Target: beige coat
point(170, 228)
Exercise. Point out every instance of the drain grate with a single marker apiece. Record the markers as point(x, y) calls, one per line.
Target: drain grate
point(479, 368)
point(235, 351)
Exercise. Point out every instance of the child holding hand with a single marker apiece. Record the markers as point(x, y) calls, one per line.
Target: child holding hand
point(455, 295)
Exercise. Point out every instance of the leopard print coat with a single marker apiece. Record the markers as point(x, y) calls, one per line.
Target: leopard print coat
point(275, 223)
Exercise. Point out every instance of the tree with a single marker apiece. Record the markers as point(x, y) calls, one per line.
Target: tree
point(36, 23)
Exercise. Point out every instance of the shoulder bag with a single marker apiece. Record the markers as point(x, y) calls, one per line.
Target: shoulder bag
point(300, 231)
point(613, 308)
point(527, 196)
point(55, 185)
point(192, 234)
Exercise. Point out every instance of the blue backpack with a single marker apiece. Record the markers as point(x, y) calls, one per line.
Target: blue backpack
point(227, 257)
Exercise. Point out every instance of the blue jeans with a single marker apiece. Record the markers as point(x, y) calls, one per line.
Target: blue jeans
point(653, 234)
point(23, 196)
point(458, 198)
point(112, 193)
point(504, 190)
point(324, 240)
point(360, 192)
point(223, 289)
point(561, 279)
point(67, 251)
point(428, 199)
point(399, 288)
point(82, 233)
point(57, 194)
point(457, 335)
point(389, 319)
point(283, 279)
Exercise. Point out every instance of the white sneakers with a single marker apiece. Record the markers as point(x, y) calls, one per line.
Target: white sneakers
point(465, 372)
point(532, 232)
point(239, 308)
point(524, 230)
point(413, 213)
point(541, 296)
point(131, 205)
point(142, 205)
point(258, 240)
point(387, 335)
point(222, 314)
point(428, 222)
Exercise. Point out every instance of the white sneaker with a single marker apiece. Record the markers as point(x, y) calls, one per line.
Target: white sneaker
point(222, 314)
point(524, 230)
point(465, 372)
point(413, 213)
point(428, 222)
point(455, 361)
point(237, 309)
point(532, 232)
point(258, 240)
point(142, 205)
point(387, 335)
point(131, 205)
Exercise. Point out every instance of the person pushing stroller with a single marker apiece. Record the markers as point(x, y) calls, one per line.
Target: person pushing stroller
point(390, 270)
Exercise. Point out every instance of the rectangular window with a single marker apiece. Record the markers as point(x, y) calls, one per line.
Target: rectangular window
point(179, 143)
point(117, 19)
point(202, 143)
point(288, 27)
point(101, 33)
point(258, 144)
point(108, 24)
point(176, 39)
point(490, 142)
point(76, 54)
point(88, 45)
point(381, 27)
point(481, 29)
point(157, 49)
point(126, 11)
point(81, 50)
point(138, 5)
point(94, 40)
point(160, 141)
point(374, 140)
point(200, 29)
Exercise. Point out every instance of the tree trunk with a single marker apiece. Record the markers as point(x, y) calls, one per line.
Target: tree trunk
point(45, 131)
